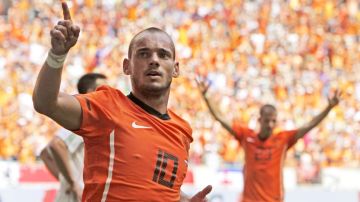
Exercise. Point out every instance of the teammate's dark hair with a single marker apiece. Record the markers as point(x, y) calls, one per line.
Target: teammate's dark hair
point(267, 107)
point(88, 81)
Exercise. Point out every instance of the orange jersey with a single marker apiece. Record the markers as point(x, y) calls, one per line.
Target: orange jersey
point(264, 164)
point(130, 154)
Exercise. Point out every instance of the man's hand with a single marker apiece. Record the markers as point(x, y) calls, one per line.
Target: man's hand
point(202, 85)
point(201, 195)
point(64, 35)
point(75, 191)
point(335, 99)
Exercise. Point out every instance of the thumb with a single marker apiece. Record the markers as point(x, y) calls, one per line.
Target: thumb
point(204, 192)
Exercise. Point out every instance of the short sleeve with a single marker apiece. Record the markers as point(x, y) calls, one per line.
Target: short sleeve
point(290, 137)
point(63, 133)
point(96, 112)
point(239, 130)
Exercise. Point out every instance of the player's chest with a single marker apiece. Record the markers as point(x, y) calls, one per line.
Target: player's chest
point(137, 132)
point(263, 150)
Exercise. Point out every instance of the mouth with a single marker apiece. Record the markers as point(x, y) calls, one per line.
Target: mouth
point(153, 74)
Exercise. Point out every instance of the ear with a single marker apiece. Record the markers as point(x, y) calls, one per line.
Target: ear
point(176, 71)
point(126, 66)
point(91, 90)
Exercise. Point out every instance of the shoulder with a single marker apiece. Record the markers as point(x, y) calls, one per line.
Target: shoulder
point(109, 90)
point(286, 134)
point(248, 132)
point(185, 125)
point(242, 129)
point(288, 137)
point(63, 134)
point(239, 126)
point(102, 95)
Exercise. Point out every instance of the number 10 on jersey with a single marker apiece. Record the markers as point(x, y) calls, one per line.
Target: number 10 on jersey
point(163, 159)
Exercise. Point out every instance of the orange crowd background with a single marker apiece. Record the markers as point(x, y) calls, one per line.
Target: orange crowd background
point(292, 54)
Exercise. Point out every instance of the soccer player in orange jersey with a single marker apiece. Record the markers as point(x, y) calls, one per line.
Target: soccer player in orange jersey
point(136, 149)
point(264, 150)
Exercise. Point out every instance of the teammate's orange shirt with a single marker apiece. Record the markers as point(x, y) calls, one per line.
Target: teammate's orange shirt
point(131, 155)
point(263, 181)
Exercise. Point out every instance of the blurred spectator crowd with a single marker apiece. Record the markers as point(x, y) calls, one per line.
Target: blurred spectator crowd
point(290, 53)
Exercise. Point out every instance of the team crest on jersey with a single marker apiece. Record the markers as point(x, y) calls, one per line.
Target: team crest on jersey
point(263, 154)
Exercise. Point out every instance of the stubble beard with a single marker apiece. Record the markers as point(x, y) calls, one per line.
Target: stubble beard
point(153, 90)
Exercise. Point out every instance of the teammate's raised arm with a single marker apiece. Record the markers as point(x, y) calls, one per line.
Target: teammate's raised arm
point(62, 108)
point(332, 102)
point(203, 87)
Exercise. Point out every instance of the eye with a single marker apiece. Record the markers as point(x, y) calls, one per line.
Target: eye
point(164, 54)
point(144, 54)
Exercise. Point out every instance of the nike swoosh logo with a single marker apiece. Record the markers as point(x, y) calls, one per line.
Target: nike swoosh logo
point(250, 139)
point(134, 125)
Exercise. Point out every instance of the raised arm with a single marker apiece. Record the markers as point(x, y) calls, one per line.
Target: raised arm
point(332, 102)
point(62, 108)
point(203, 86)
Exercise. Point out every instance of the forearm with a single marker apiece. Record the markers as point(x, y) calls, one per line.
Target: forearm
point(61, 157)
point(317, 119)
point(49, 162)
point(314, 122)
point(216, 114)
point(46, 89)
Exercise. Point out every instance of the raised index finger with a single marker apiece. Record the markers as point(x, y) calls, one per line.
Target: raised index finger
point(205, 191)
point(66, 11)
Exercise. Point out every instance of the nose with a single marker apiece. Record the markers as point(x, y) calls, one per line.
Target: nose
point(272, 124)
point(154, 62)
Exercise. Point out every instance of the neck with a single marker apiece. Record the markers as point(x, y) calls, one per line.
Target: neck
point(157, 101)
point(263, 135)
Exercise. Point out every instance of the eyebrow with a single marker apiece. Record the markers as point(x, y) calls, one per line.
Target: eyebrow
point(142, 49)
point(166, 51)
point(161, 49)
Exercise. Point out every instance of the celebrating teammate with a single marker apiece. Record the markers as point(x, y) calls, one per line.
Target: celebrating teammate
point(264, 150)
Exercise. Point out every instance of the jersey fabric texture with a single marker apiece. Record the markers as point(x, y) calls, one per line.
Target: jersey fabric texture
point(130, 154)
point(263, 180)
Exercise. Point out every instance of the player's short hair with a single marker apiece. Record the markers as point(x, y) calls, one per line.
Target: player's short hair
point(151, 30)
point(267, 107)
point(88, 81)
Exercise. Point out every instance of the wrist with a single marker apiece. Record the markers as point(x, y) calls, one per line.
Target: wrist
point(55, 61)
point(205, 95)
point(329, 107)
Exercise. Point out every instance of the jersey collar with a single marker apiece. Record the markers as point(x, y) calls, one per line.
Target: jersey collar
point(147, 108)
